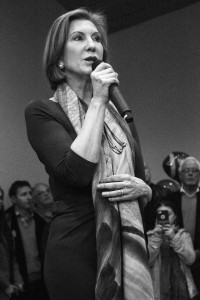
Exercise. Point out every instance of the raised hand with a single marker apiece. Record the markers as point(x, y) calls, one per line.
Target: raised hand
point(102, 77)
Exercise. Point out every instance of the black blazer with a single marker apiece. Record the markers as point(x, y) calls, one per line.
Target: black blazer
point(19, 248)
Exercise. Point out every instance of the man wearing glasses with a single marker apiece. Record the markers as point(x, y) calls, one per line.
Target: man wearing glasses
point(188, 202)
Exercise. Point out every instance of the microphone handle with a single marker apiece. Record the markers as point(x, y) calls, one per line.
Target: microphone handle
point(120, 104)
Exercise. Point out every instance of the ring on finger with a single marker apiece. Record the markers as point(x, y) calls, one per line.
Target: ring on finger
point(122, 192)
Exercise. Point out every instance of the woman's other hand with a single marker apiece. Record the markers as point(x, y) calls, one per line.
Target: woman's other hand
point(102, 77)
point(122, 187)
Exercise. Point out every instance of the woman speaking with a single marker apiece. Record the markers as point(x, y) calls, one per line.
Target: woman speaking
point(96, 247)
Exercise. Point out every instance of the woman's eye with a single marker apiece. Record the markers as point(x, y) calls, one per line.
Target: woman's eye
point(97, 38)
point(78, 38)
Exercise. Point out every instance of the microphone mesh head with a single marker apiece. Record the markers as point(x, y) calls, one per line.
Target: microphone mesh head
point(96, 63)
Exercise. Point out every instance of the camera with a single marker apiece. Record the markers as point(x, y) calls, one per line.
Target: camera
point(163, 217)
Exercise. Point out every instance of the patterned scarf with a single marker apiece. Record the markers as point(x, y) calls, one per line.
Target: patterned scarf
point(122, 265)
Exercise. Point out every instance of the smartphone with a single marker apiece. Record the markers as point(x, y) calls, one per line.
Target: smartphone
point(162, 217)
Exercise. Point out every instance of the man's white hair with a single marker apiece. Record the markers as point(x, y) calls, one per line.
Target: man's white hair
point(191, 158)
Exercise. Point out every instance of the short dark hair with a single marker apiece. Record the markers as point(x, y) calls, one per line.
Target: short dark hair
point(17, 185)
point(56, 40)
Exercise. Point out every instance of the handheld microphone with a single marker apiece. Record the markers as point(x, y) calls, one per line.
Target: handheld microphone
point(117, 98)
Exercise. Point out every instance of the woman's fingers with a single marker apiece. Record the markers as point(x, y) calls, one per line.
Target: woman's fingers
point(115, 182)
point(119, 177)
point(115, 199)
point(106, 76)
point(102, 77)
point(112, 194)
point(102, 66)
point(110, 186)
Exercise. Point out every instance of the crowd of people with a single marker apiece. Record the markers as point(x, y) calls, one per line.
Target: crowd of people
point(24, 228)
point(173, 238)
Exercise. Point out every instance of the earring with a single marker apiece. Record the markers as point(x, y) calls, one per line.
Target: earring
point(61, 65)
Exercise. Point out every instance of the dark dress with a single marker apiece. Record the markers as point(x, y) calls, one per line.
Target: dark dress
point(70, 263)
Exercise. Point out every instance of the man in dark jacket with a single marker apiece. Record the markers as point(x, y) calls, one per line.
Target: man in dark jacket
point(27, 228)
point(188, 202)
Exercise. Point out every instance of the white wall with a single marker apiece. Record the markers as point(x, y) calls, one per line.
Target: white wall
point(23, 28)
point(159, 70)
point(159, 66)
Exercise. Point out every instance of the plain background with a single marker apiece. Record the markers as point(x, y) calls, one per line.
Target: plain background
point(158, 63)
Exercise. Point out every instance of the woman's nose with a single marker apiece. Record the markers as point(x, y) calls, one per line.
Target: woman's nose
point(90, 44)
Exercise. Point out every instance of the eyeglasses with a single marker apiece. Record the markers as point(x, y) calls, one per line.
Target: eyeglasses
point(188, 170)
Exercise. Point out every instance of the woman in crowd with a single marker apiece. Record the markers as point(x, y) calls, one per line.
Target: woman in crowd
point(96, 247)
point(171, 252)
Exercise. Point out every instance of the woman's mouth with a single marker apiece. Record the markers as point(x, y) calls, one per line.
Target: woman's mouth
point(91, 58)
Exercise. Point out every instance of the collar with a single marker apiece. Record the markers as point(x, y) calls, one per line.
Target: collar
point(182, 190)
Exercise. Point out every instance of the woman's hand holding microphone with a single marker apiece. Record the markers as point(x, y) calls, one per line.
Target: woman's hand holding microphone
point(102, 77)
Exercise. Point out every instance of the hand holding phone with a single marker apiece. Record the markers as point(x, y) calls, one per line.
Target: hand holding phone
point(168, 231)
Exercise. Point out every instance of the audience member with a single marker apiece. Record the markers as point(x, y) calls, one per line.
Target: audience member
point(11, 282)
point(170, 253)
point(42, 201)
point(188, 203)
point(28, 229)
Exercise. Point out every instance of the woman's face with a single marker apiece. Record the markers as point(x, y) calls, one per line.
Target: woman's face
point(83, 42)
point(172, 215)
